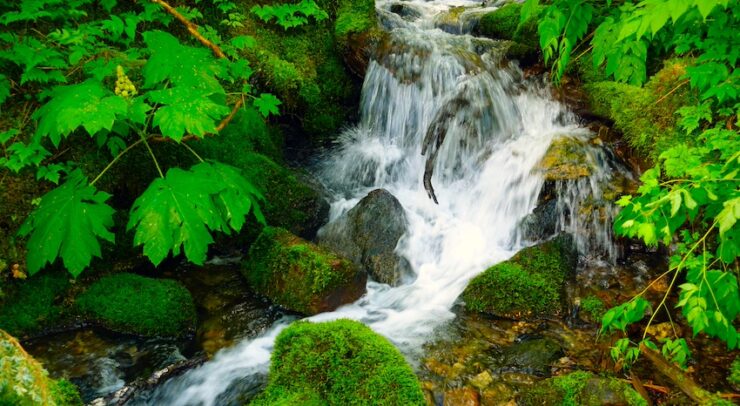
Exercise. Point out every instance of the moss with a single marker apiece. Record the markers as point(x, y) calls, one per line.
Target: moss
point(35, 305)
point(289, 202)
point(24, 382)
point(529, 284)
point(580, 389)
point(304, 67)
point(133, 304)
point(247, 132)
point(593, 308)
point(503, 23)
point(734, 377)
point(65, 393)
point(299, 275)
point(566, 159)
point(646, 116)
point(338, 363)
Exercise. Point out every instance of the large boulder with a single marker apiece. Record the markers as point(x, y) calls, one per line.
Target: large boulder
point(530, 284)
point(24, 382)
point(133, 304)
point(580, 388)
point(368, 234)
point(342, 362)
point(299, 275)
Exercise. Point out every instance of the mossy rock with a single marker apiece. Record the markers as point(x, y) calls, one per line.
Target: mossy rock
point(503, 23)
point(526, 54)
point(24, 382)
point(290, 202)
point(566, 159)
point(134, 304)
point(580, 389)
point(734, 377)
point(35, 305)
point(299, 275)
point(304, 66)
point(530, 284)
point(342, 362)
point(646, 115)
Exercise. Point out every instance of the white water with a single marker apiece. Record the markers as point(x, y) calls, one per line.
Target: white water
point(498, 127)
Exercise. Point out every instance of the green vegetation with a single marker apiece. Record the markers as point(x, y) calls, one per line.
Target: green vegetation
point(35, 305)
point(338, 363)
point(299, 275)
point(689, 201)
point(133, 304)
point(580, 389)
point(593, 308)
point(504, 23)
point(734, 377)
point(529, 284)
point(24, 382)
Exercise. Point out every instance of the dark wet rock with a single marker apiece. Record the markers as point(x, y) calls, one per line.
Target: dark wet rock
point(530, 284)
point(405, 10)
point(580, 388)
point(368, 235)
point(533, 357)
point(542, 222)
point(299, 275)
point(454, 22)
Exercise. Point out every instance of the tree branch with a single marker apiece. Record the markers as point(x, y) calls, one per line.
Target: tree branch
point(192, 28)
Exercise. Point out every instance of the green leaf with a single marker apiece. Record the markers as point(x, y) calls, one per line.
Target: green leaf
point(267, 104)
point(68, 223)
point(4, 88)
point(178, 212)
point(729, 215)
point(88, 104)
point(186, 110)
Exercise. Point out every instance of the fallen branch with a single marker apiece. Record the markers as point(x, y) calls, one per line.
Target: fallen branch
point(640, 388)
point(192, 28)
point(677, 376)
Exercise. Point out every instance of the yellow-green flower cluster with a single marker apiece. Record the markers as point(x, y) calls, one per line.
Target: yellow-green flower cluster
point(124, 86)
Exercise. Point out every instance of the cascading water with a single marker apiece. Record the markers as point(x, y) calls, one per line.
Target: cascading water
point(486, 129)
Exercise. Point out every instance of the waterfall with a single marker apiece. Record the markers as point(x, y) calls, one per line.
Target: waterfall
point(497, 125)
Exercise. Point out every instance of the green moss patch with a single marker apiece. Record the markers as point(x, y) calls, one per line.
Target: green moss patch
point(24, 382)
point(504, 24)
point(529, 284)
point(645, 115)
point(592, 309)
point(580, 389)
point(301, 276)
point(734, 377)
point(35, 305)
point(133, 304)
point(338, 363)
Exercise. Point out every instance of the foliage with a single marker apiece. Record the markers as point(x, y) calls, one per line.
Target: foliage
point(338, 363)
point(133, 304)
point(593, 307)
point(24, 382)
point(300, 275)
point(290, 15)
point(734, 377)
point(118, 79)
point(690, 199)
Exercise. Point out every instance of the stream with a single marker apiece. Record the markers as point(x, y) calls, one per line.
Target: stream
point(497, 125)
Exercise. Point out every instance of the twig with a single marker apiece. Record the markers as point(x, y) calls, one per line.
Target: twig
point(640, 388)
point(673, 90)
point(220, 126)
point(192, 28)
point(678, 377)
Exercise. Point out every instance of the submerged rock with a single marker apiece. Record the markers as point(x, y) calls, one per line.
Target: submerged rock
point(23, 381)
point(531, 284)
point(341, 362)
point(532, 357)
point(299, 275)
point(368, 235)
point(580, 388)
point(132, 304)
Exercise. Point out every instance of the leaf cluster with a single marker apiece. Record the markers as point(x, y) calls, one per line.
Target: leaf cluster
point(290, 15)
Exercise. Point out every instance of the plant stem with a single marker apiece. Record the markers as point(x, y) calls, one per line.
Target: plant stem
point(192, 151)
point(151, 153)
point(111, 163)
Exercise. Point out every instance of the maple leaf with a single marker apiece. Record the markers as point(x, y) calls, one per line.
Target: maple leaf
point(178, 212)
point(88, 104)
point(68, 223)
point(267, 104)
point(186, 110)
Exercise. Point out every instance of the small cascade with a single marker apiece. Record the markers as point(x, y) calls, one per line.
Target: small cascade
point(442, 113)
